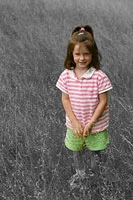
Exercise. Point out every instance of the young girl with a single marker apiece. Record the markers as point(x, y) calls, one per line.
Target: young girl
point(84, 93)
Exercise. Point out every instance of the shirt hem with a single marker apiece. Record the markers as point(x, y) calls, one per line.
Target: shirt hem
point(96, 132)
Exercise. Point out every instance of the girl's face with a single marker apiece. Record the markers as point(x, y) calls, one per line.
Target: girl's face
point(82, 56)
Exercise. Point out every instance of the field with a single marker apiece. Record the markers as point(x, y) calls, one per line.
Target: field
point(34, 164)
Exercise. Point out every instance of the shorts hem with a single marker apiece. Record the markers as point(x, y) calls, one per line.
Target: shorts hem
point(72, 149)
point(98, 148)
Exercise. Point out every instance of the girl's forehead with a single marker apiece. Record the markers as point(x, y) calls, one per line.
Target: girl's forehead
point(80, 47)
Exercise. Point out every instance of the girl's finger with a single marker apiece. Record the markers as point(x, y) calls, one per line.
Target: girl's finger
point(76, 133)
point(84, 131)
point(79, 133)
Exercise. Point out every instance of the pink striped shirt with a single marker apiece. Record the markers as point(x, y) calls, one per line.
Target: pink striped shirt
point(83, 94)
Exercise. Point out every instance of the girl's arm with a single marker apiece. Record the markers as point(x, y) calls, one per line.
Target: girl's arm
point(77, 126)
point(103, 101)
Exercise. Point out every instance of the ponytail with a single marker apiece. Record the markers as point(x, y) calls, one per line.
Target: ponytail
point(81, 28)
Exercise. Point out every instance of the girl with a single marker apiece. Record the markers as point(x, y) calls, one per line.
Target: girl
point(84, 94)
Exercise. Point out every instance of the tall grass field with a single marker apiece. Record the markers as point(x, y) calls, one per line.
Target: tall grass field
point(34, 164)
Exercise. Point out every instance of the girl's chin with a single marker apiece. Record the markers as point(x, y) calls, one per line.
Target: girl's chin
point(83, 65)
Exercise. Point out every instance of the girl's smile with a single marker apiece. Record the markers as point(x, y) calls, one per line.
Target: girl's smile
point(82, 57)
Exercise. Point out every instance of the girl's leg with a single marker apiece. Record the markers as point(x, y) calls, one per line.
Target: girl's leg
point(78, 164)
point(86, 161)
point(95, 158)
point(76, 158)
point(78, 161)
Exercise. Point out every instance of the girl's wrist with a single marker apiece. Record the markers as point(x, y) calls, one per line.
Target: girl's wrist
point(92, 123)
point(74, 120)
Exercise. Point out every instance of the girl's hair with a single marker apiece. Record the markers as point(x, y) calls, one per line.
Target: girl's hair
point(82, 35)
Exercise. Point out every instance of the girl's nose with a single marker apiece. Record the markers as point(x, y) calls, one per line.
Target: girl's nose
point(81, 57)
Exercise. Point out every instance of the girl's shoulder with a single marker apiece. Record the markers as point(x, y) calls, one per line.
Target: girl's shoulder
point(65, 73)
point(100, 74)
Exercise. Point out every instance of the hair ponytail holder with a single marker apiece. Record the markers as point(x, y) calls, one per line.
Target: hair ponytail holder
point(82, 29)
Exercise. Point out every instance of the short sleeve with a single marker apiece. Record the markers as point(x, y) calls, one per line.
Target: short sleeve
point(62, 83)
point(104, 84)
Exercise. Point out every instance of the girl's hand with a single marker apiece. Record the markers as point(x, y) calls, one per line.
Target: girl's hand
point(77, 128)
point(87, 129)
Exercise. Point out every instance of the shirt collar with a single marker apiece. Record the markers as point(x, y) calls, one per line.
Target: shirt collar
point(87, 74)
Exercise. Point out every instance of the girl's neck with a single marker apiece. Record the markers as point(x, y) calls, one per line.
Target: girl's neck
point(79, 72)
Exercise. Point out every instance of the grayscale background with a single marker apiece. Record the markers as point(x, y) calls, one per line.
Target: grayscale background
point(34, 164)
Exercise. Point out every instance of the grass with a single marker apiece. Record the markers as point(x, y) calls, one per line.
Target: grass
point(33, 36)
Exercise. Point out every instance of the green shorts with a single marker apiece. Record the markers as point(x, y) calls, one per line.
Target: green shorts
point(93, 142)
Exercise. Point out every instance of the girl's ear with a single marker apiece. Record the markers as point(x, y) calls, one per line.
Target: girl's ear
point(89, 29)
